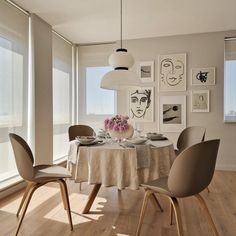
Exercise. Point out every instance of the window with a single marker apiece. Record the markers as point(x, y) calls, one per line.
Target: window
point(14, 28)
point(98, 101)
point(230, 80)
point(62, 96)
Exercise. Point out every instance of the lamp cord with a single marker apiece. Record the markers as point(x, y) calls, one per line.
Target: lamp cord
point(120, 23)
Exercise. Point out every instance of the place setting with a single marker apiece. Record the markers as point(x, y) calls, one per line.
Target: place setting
point(89, 140)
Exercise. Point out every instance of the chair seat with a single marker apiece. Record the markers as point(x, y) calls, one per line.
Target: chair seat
point(159, 185)
point(50, 172)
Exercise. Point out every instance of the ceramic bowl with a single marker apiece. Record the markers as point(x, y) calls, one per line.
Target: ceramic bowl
point(86, 139)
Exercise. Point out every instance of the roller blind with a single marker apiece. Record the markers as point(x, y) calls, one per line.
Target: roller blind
point(230, 81)
point(62, 95)
point(14, 29)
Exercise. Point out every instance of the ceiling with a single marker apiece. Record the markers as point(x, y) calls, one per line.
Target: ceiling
point(95, 21)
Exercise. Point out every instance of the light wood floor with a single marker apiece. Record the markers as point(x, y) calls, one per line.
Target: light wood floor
point(116, 213)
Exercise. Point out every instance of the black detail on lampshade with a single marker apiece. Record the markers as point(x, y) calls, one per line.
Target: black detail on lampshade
point(121, 68)
point(121, 50)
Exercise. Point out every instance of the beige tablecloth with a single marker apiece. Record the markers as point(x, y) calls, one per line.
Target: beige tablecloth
point(113, 165)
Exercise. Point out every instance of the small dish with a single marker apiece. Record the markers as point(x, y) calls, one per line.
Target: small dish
point(86, 139)
point(136, 141)
point(154, 136)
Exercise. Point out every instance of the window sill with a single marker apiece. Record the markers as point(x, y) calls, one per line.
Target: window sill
point(10, 182)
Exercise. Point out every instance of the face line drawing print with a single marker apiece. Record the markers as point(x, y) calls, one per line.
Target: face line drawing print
point(172, 73)
point(140, 102)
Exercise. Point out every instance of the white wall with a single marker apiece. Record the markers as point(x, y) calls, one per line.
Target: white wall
point(42, 77)
point(203, 50)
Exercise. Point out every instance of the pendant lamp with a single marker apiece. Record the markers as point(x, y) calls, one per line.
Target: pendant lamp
point(120, 78)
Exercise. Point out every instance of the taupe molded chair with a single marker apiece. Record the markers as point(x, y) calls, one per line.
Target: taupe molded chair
point(191, 172)
point(190, 136)
point(37, 176)
point(80, 130)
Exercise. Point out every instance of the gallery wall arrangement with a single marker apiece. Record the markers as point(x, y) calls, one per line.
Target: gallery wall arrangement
point(171, 79)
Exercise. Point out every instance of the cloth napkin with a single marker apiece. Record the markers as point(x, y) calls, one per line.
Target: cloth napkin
point(73, 151)
point(143, 155)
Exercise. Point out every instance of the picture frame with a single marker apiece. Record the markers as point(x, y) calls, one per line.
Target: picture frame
point(200, 101)
point(172, 117)
point(146, 71)
point(172, 72)
point(141, 104)
point(203, 76)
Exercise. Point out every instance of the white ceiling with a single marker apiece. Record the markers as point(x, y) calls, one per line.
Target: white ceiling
point(92, 21)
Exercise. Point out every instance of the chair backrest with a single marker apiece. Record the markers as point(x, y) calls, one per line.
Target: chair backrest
point(80, 130)
point(190, 136)
point(23, 156)
point(193, 169)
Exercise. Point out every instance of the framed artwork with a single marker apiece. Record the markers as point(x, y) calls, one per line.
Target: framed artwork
point(146, 71)
point(200, 101)
point(141, 104)
point(203, 76)
point(172, 72)
point(172, 113)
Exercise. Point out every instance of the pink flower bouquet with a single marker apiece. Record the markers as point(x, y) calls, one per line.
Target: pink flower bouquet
point(117, 123)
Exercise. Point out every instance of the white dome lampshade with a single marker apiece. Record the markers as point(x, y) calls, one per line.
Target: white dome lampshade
point(120, 78)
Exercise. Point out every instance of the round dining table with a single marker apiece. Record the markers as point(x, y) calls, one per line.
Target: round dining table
point(119, 164)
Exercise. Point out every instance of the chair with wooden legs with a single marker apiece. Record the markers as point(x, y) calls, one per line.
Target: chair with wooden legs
point(190, 136)
point(80, 130)
point(191, 172)
point(37, 176)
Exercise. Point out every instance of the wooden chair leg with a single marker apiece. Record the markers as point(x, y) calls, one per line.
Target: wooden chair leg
point(171, 213)
point(28, 187)
point(177, 215)
point(63, 184)
point(205, 208)
point(148, 193)
point(27, 201)
point(157, 202)
point(63, 194)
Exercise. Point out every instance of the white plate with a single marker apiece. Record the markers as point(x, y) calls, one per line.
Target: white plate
point(86, 139)
point(136, 141)
point(154, 136)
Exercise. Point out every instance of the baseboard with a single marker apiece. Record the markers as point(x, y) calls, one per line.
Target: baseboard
point(226, 167)
point(12, 189)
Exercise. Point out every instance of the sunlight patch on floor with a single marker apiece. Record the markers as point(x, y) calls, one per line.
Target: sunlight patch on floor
point(40, 196)
point(77, 203)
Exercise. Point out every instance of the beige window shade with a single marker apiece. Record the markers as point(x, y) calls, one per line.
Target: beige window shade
point(230, 81)
point(62, 95)
point(14, 32)
point(230, 49)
